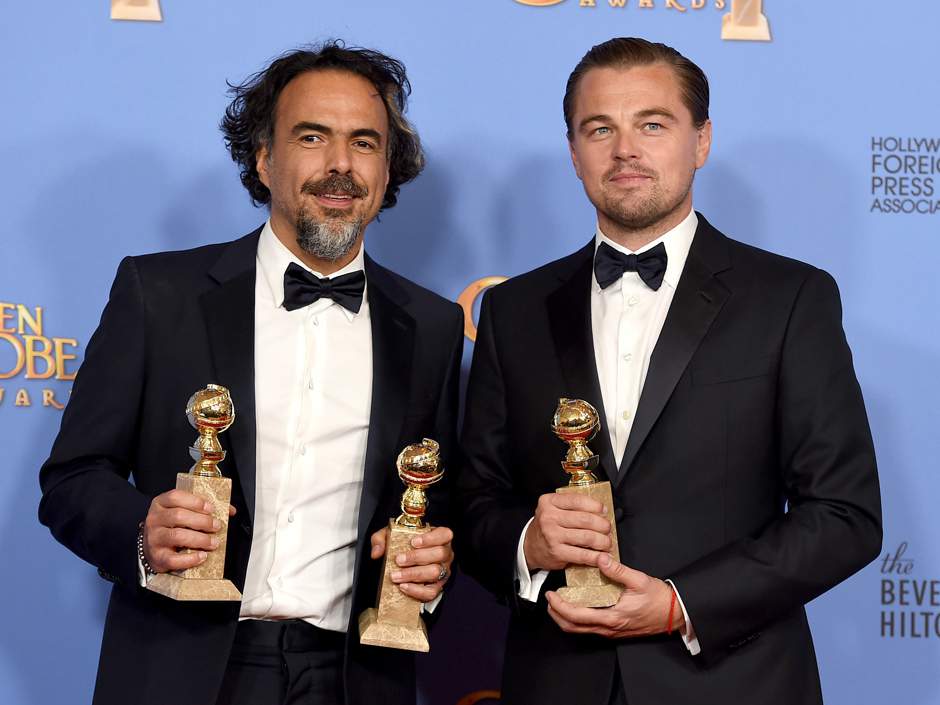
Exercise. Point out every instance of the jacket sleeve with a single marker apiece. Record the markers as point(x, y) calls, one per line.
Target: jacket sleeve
point(826, 460)
point(492, 514)
point(87, 501)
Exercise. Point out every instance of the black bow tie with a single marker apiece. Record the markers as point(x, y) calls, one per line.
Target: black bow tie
point(610, 264)
point(301, 288)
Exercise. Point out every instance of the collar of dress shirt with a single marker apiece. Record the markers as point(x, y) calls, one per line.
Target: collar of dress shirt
point(677, 242)
point(273, 258)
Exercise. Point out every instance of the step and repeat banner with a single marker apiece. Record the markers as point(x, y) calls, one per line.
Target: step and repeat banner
point(826, 149)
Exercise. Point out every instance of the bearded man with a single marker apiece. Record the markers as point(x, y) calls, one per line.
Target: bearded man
point(732, 427)
point(334, 363)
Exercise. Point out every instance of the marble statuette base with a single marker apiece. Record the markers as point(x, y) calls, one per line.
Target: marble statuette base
point(193, 590)
point(757, 32)
point(396, 623)
point(205, 581)
point(587, 586)
point(392, 636)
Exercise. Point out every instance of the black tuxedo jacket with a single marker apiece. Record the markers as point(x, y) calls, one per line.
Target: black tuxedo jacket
point(749, 476)
point(175, 322)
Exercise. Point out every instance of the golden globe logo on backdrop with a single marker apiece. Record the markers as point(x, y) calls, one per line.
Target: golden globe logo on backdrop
point(139, 10)
point(27, 353)
point(468, 298)
point(745, 21)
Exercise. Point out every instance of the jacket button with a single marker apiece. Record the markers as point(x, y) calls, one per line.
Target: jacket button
point(618, 514)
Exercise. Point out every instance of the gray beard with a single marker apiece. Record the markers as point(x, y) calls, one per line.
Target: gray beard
point(330, 240)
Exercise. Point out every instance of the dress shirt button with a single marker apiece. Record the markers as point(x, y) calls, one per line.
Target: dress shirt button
point(628, 357)
point(303, 450)
point(633, 301)
point(290, 517)
point(314, 321)
point(310, 384)
point(625, 415)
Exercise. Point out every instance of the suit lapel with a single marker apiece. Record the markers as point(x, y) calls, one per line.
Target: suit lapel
point(569, 313)
point(393, 339)
point(697, 301)
point(229, 311)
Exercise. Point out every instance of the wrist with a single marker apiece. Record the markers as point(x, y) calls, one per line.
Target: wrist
point(675, 619)
point(140, 551)
point(527, 550)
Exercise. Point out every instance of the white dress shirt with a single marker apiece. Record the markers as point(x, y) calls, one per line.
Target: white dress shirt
point(313, 397)
point(626, 320)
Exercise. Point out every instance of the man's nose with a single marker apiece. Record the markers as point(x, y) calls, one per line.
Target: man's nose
point(627, 145)
point(339, 159)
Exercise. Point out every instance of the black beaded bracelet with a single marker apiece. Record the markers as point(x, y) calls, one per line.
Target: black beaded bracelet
point(140, 550)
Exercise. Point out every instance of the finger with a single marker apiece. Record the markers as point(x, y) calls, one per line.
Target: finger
point(422, 593)
point(378, 543)
point(585, 538)
point(566, 625)
point(626, 576)
point(570, 519)
point(231, 510)
point(167, 560)
point(421, 574)
point(182, 538)
point(438, 536)
point(588, 617)
point(184, 500)
point(576, 555)
point(425, 556)
point(578, 502)
point(184, 518)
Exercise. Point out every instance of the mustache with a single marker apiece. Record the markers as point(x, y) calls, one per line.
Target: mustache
point(335, 183)
point(629, 168)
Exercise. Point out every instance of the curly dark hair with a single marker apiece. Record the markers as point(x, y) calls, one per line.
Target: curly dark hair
point(248, 124)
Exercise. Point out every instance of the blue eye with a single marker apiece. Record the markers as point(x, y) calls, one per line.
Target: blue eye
point(653, 126)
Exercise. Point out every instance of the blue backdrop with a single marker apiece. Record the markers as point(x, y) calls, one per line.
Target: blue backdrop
point(826, 147)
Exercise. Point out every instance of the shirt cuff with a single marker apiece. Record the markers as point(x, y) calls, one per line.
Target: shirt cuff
point(688, 633)
point(529, 583)
point(143, 577)
point(429, 607)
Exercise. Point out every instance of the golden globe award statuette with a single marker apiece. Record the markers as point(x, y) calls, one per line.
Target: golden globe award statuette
point(576, 422)
point(746, 21)
point(210, 411)
point(396, 621)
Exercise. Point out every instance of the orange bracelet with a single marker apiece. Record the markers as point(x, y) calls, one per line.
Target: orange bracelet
point(672, 610)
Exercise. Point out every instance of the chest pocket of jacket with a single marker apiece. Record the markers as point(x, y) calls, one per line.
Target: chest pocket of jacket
point(734, 370)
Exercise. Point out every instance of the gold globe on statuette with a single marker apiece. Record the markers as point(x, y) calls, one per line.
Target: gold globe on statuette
point(576, 422)
point(396, 620)
point(210, 411)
